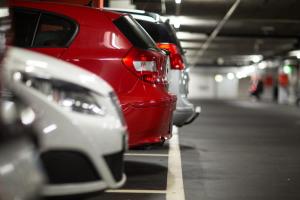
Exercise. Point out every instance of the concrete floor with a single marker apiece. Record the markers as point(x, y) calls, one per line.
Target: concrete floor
point(236, 150)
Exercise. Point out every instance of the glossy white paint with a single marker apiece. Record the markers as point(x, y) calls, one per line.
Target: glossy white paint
point(20, 176)
point(62, 129)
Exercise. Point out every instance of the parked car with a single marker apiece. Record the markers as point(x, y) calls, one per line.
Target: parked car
point(114, 47)
point(81, 127)
point(165, 37)
point(21, 175)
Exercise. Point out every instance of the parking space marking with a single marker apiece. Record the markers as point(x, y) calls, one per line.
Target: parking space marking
point(137, 191)
point(175, 188)
point(146, 154)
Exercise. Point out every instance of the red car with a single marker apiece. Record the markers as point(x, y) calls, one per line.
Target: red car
point(111, 45)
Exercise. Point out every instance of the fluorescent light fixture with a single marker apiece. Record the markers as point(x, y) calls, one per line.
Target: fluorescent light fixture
point(4, 12)
point(230, 76)
point(191, 44)
point(295, 53)
point(246, 71)
point(219, 78)
point(220, 61)
point(178, 1)
point(256, 58)
point(192, 21)
point(241, 75)
point(262, 65)
point(190, 36)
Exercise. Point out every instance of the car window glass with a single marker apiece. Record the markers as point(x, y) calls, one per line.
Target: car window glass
point(54, 31)
point(24, 23)
point(160, 32)
point(156, 31)
point(134, 32)
point(172, 32)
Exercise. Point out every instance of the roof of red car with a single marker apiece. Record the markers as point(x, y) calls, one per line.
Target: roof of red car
point(82, 14)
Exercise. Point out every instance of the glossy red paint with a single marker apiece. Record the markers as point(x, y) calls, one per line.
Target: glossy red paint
point(146, 65)
point(100, 47)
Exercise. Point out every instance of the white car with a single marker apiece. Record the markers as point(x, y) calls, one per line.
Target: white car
point(21, 176)
point(82, 130)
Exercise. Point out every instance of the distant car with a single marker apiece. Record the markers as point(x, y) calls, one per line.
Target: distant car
point(81, 128)
point(165, 36)
point(114, 47)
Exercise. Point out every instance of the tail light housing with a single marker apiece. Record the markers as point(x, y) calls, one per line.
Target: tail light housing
point(176, 60)
point(148, 65)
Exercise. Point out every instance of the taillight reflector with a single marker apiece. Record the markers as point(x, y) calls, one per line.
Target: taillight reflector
point(144, 64)
point(176, 60)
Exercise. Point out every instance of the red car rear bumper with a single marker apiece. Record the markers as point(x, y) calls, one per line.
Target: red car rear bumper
point(149, 121)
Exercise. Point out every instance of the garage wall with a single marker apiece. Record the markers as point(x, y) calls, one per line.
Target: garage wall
point(203, 85)
point(227, 89)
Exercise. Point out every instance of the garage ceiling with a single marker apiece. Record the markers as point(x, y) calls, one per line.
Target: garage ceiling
point(257, 27)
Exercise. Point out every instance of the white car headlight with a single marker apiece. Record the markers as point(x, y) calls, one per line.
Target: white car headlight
point(68, 95)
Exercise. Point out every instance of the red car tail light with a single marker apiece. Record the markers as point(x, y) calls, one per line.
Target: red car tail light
point(146, 64)
point(175, 56)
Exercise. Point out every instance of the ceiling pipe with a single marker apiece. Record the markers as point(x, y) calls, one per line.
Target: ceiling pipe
point(216, 31)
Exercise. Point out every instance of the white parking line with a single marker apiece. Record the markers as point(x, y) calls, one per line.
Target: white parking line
point(137, 191)
point(175, 188)
point(146, 154)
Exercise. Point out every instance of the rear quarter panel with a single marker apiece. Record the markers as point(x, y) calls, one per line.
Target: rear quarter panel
point(100, 47)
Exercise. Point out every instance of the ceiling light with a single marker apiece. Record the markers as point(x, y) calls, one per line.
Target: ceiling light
point(220, 61)
point(219, 78)
point(230, 76)
point(241, 75)
point(256, 58)
point(4, 12)
point(262, 65)
point(177, 1)
point(177, 24)
point(295, 53)
point(190, 36)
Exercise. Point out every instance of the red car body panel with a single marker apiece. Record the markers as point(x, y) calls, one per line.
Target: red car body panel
point(99, 46)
